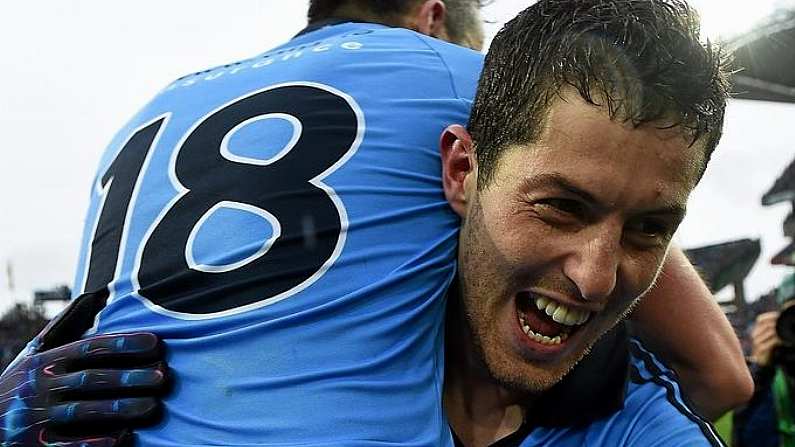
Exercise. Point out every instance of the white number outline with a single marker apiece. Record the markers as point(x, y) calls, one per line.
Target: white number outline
point(276, 228)
point(103, 194)
point(297, 130)
point(316, 181)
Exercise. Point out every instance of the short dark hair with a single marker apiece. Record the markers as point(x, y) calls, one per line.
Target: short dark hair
point(641, 59)
point(463, 17)
point(461, 14)
point(324, 9)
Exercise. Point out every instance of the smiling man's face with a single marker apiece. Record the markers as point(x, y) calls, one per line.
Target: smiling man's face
point(569, 232)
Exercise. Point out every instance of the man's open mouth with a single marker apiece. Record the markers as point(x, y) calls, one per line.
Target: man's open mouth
point(548, 322)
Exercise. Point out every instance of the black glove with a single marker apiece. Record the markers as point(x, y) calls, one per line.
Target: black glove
point(84, 393)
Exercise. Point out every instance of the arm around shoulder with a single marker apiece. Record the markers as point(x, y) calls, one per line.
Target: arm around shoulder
point(680, 320)
point(656, 413)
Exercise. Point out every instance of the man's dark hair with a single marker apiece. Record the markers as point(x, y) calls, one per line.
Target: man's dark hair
point(462, 17)
point(460, 13)
point(324, 9)
point(640, 59)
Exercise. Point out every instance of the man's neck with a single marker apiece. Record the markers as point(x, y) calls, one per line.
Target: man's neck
point(358, 14)
point(479, 414)
point(480, 411)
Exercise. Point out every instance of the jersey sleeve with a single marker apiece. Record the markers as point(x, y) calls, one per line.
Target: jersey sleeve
point(654, 414)
point(657, 413)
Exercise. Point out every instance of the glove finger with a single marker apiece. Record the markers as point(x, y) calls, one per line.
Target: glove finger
point(117, 412)
point(88, 442)
point(103, 351)
point(44, 438)
point(111, 381)
point(123, 438)
point(74, 321)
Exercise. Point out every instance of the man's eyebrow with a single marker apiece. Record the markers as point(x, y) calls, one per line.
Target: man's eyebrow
point(557, 180)
point(554, 179)
point(677, 212)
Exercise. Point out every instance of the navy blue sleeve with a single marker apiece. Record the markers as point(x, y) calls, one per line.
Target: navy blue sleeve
point(656, 411)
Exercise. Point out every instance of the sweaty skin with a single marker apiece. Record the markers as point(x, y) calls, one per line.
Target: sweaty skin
point(581, 220)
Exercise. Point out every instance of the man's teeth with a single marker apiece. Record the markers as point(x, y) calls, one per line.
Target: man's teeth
point(556, 340)
point(561, 313)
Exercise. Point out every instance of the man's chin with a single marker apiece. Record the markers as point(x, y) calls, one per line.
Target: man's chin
point(528, 378)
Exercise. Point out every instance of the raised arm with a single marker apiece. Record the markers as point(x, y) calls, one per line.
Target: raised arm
point(680, 320)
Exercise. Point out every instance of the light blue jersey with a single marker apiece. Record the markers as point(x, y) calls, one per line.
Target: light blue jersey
point(281, 223)
point(655, 414)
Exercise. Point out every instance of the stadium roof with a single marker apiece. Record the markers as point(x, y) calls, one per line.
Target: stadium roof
point(766, 60)
point(783, 190)
point(725, 263)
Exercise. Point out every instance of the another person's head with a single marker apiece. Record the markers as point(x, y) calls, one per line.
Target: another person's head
point(456, 21)
point(593, 121)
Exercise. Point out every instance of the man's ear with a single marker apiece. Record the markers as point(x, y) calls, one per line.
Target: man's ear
point(459, 166)
point(430, 17)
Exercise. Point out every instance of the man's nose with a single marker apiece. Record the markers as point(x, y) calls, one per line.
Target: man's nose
point(593, 264)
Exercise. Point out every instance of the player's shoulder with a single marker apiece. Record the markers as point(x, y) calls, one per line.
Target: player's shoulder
point(403, 43)
point(417, 50)
point(656, 408)
point(455, 54)
point(348, 49)
point(463, 64)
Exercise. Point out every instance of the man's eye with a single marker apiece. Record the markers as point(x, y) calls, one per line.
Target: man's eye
point(651, 230)
point(563, 206)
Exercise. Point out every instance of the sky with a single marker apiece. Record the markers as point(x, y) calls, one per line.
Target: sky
point(74, 71)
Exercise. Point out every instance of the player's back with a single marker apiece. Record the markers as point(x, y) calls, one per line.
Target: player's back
point(280, 222)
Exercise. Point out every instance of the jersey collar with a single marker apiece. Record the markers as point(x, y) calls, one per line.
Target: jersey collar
point(334, 21)
point(324, 29)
